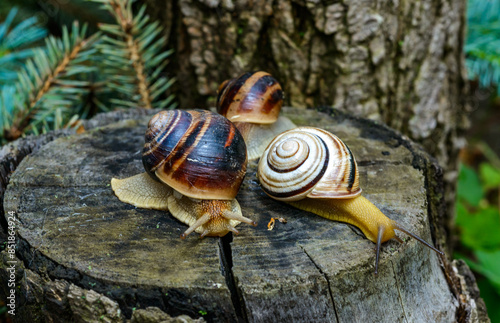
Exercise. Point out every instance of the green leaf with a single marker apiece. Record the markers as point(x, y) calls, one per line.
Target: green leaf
point(490, 176)
point(491, 297)
point(469, 186)
point(488, 264)
point(480, 230)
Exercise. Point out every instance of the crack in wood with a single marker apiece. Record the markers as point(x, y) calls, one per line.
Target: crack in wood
point(326, 278)
point(399, 291)
point(226, 262)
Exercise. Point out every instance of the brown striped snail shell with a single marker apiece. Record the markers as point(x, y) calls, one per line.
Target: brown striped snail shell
point(253, 102)
point(195, 162)
point(252, 97)
point(313, 170)
point(197, 153)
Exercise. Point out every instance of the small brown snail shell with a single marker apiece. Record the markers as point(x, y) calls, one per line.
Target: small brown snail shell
point(252, 101)
point(195, 162)
point(313, 170)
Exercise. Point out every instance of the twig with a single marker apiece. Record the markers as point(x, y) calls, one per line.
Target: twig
point(126, 24)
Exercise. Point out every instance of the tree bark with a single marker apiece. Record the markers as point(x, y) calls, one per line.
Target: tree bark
point(396, 62)
point(83, 255)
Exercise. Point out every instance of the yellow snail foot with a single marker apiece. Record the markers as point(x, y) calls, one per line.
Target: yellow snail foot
point(142, 191)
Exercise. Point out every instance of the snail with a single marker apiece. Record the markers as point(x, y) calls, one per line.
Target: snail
point(253, 101)
point(195, 162)
point(313, 170)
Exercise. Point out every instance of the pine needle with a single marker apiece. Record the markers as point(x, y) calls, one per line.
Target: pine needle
point(41, 103)
point(128, 49)
point(482, 46)
point(77, 75)
point(14, 41)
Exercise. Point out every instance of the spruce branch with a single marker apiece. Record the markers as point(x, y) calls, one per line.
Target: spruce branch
point(76, 76)
point(134, 56)
point(125, 20)
point(52, 76)
point(14, 43)
point(48, 88)
point(482, 48)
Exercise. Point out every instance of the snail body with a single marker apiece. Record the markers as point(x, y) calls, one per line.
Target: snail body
point(313, 170)
point(195, 162)
point(252, 101)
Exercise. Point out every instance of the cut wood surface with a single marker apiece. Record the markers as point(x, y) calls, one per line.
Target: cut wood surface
point(72, 229)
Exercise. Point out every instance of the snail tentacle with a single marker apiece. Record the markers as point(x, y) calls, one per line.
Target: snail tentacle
point(187, 210)
point(232, 229)
point(201, 221)
point(204, 233)
point(398, 239)
point(238, 217)
point(379, 243)
point(398, 226)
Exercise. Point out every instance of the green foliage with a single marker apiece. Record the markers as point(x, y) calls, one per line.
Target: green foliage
point(488, 264)
point(14, 44)
point(57, 13)
point(482, 46)
point(491, 299)
point(133, 55)
point(61, 67)
point(77, 75)
point(469, 189)
point(490, 176)
point(478, 220)
point(478, 227)
point(51, 85)
point(8, 102)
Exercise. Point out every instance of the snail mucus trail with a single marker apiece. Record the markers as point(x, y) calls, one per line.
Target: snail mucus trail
point(313, 170)
point(253, 101)
point(195, 162)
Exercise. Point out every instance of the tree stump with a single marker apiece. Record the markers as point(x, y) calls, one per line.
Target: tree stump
point(82, 255)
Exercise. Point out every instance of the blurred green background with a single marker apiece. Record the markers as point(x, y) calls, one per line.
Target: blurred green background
point(24, 28)
point(478, 195)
